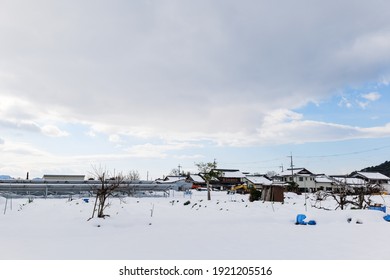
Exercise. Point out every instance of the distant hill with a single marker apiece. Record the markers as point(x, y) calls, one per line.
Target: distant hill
point(383, 168)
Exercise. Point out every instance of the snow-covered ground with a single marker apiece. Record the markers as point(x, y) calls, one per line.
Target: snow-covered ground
point(227, 227)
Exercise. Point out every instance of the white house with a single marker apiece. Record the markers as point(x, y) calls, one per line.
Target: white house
point(374, 180)
point(350, 183)
point(303, 177)
point(323, 182)
point(372, 177)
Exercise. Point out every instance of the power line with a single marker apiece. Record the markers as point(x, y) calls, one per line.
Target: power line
point(252, 162)
point(308, 157)
point(346, 154)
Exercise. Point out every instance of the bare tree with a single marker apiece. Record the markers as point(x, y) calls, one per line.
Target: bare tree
point(175, 172)
point(133, 175)
point(209, 172)
point(108, 185)
point(359, 198)
point(178, 171)
point(271, 174)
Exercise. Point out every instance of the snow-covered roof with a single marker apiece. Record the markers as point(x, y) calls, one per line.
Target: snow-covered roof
point(351, 181)
point(373, 175)
point(296, 171)
point(323, 179)
point(233, 174)
point(197, 178)
point(172, 179)
point(259, 180)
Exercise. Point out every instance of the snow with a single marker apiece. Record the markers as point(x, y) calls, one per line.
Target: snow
point(322, 179)
point(171, 179)
point(233, 174)
point(197, 178)
point(351, 181)
point(374, 175)
point(259, 180)
point(155, 227)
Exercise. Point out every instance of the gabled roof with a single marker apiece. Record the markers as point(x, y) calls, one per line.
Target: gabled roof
point(259, 180)
point(372, 175)
point(172, 179)
point(296, 171)
point(323, 179)
point(350, 181)
point(196, 178)
point(231, 173)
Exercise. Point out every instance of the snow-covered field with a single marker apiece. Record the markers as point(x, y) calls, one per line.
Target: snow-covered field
point(227, 227)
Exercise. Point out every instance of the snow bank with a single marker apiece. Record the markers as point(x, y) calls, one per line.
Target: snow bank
point(227, 227)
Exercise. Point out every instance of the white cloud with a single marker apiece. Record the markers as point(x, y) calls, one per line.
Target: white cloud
point(196, 156)
point(372, 96)
point(53, 131)
point(231, 73)
point(10, 149)
point(91, 133)
point(115, 138)
point(345, 102)
point(368, 97)
point(149, 150)
point(362, 104)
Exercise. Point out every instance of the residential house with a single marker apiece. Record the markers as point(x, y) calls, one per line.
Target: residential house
point(197, 181)
point(323, 183)
point(374, 180)
point(258, 181)
point(350, 183)
point(303, 177)
point(229, 177)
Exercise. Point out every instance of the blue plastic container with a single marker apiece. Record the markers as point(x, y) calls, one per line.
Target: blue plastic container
point(379, 208)
point(300, 219)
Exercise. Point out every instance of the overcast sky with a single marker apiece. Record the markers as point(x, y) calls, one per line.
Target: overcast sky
point(148, 85)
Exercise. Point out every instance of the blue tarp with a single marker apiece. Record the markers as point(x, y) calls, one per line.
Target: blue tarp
point(387, 218)
point(301, 218)
point(379, 208)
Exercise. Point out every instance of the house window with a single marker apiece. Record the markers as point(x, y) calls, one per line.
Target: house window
point(300, 179)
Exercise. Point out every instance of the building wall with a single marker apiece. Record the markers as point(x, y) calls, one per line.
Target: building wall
point(63, 177)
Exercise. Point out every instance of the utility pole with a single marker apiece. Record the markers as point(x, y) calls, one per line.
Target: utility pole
point(179, 169)
point(281, 166)
point(292, 167)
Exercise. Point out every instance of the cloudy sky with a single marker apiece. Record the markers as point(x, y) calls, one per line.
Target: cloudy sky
point(148, 85)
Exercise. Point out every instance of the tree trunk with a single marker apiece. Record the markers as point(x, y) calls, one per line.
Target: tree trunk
point(208, 191)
